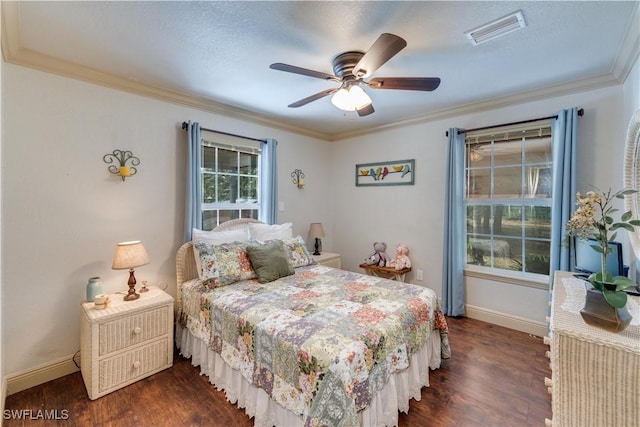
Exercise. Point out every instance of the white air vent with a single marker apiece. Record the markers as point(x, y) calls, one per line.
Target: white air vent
point(499, 27)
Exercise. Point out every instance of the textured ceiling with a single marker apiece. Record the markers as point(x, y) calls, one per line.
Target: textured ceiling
point(219, 52)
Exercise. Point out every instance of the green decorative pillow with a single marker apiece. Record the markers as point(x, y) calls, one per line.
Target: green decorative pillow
point(269, 261)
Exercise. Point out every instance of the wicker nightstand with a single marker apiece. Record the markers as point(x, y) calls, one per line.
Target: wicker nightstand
point(125, 342)
point(329, 259)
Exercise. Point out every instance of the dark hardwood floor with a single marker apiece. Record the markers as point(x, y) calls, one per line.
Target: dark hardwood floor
point(495, 377)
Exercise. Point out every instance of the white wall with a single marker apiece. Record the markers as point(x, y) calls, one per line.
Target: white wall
point(63, 213)
point(414, 214)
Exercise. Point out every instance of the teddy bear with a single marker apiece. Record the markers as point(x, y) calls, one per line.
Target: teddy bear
point(379, 257)
point(401, 260)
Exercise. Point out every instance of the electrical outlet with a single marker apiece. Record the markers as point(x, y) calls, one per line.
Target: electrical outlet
point(419, 274)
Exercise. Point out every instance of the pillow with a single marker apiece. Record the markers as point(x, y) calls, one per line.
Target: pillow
point(269, 260)
point(224, 264)
point(205, 254)
point(233, 262)
point(264, 232)
point(216, 238)
point(297, 253)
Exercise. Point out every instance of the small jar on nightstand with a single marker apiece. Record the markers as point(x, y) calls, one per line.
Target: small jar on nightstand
point(328, 259)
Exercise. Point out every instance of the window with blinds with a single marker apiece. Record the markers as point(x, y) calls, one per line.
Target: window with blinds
point(230, 178)
point(508, 189)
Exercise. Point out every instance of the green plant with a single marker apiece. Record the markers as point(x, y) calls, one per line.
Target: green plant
point(593, 219)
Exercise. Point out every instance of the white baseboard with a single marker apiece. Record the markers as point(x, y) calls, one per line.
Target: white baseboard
point(507, 320)
point(41, 374)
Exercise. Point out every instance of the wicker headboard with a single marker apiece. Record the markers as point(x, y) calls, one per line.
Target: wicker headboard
point(185, 262)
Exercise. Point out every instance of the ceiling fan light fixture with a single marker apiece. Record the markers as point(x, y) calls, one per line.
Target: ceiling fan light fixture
point(498, 28)
point(351, 98)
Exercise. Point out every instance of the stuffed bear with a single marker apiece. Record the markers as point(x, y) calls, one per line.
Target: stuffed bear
point(379, 257)
point(401, 259)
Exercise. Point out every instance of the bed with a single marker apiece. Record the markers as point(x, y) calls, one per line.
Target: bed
point(321, 346)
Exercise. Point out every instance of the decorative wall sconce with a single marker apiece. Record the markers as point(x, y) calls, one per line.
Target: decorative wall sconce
point(297, 177)
point(122, 157)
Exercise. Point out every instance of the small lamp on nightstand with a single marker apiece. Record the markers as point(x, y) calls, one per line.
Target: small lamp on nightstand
point(128, 256)
point(316, 232)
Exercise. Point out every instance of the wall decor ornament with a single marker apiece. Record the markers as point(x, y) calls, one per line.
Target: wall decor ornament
point(121, 157)
point(398, 172)
point(297, 177)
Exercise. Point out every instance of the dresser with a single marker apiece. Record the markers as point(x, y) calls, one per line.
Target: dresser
point(595, 373)
point(329, 259)
point(127, 341)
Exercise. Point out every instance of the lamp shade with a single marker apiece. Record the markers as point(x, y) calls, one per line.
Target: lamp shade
point(129, 255)
point(315, 230)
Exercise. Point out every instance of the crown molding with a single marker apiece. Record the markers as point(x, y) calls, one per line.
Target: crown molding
point(629, 50)
point(13, 53)
point(537, 94)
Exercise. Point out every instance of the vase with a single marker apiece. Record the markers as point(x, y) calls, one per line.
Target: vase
point(597, 312)
point(94, 287)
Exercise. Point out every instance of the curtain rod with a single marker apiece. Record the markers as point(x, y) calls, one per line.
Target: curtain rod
point(580, 113)
point(185, 126)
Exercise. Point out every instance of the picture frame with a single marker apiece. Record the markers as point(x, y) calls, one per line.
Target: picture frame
point(397, 172)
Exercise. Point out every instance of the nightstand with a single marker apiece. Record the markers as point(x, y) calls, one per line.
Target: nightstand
point(127, 341)
point(329, 259)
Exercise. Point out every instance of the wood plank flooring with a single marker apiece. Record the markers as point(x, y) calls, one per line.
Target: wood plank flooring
point(495, 377)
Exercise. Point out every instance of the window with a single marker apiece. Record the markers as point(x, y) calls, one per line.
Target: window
point(508, 198)
point(230, 179)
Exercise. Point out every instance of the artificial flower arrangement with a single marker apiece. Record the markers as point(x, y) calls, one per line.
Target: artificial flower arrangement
point(593, 219)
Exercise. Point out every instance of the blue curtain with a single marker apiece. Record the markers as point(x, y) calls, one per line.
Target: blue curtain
point(564, 131)
point(193, 196)
point(454, 233)
point(269, 182)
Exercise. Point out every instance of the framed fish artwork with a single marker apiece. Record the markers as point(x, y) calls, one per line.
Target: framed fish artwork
point(399, 172)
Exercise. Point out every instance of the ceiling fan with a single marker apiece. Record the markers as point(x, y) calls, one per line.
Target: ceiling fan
point(351, 68)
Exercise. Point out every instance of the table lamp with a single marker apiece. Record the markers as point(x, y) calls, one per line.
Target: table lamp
point(128, 256)
point(316, 232)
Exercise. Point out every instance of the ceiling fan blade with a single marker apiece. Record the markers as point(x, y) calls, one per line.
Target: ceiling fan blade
point(303, 71)
point(313, 97)
point(383, 49)
point(405, 83)
point(366, 110)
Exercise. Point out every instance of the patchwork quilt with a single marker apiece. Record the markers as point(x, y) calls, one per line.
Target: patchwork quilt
point(321, 342)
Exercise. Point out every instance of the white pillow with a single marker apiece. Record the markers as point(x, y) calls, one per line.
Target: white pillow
point(264, 232)
point(215, 238)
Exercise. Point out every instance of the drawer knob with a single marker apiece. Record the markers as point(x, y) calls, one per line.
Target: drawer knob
point(136, 364)
point(548, 354)
point(137, 330)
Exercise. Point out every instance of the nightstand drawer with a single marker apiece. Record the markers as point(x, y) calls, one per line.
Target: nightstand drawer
point(129, 366)
point(127, 331)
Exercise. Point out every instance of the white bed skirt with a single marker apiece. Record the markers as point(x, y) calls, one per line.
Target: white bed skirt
point(383, 411)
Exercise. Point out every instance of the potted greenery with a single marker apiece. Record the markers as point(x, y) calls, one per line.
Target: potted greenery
point(605, 303)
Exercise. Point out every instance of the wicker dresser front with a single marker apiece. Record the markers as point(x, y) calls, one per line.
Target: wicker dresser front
point(125, 342)
point(595, 373)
